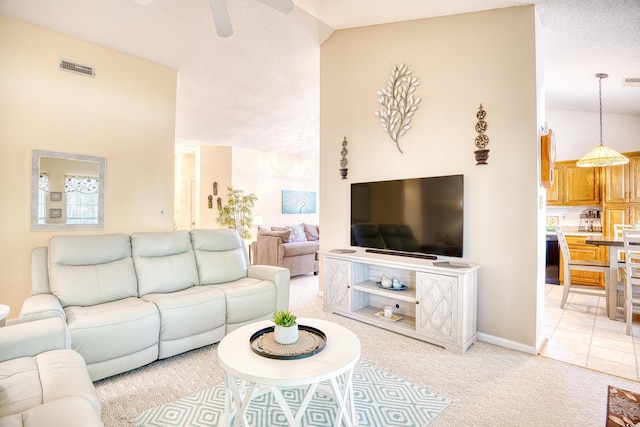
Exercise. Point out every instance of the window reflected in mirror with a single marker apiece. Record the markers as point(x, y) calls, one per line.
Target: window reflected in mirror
point(69, 191)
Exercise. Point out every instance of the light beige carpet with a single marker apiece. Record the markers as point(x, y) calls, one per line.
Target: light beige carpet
point(488, 386)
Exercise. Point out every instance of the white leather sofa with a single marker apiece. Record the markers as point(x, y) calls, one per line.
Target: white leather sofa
point(42, 381)
point(129, 300)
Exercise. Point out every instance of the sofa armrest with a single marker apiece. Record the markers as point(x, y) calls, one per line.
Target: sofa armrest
point(41, 306)
point(31, 338)
point(278, 275)
point(268, 251)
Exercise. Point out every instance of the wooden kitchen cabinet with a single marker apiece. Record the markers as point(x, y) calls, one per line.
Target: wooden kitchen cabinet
point(622, 183)
point(554, 198)
point(620, 213)
point(581, 186)
point(621, 188)
point(574, 186)
point(579, 250)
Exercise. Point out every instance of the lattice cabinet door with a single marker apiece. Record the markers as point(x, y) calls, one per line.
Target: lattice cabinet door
point(437, 306)
point(337, 284)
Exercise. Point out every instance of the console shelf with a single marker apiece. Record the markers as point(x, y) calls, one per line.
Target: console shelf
point(439, 305)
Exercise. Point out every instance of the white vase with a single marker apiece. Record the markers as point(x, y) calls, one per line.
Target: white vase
point(286, 335)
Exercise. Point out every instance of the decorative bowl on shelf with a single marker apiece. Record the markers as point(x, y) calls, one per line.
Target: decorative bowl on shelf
point(385, 282)
point(391, 288)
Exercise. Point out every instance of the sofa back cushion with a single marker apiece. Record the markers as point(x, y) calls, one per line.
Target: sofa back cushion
point(164, 262)
point(89, 270)
point(220, 255)
point(312, 232)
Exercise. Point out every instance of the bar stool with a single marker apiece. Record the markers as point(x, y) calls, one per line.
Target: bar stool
point(569, 265)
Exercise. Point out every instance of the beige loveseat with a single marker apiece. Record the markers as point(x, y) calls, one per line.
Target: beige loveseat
point(131, 299)
point(292, 247)
point(42, 381)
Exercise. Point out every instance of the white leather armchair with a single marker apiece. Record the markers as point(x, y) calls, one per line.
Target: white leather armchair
point(42, 381)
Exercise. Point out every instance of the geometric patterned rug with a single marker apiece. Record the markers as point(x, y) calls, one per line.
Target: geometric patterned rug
point(623, 408)
point(381, 399)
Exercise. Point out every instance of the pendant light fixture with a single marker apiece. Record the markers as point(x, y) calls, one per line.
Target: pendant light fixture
point(602, 155)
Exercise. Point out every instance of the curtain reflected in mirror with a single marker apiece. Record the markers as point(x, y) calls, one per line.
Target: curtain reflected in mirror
point(67, 191)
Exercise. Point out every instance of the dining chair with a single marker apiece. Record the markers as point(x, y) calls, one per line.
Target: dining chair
point(631, 240)
point(617, 232)
point(569, 264)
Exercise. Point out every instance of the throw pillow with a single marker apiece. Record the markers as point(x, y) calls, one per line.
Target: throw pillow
point(273, 228)
point(297, 233)
point(312, 232)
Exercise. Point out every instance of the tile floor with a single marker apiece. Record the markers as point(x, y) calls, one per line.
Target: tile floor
point(583, 335)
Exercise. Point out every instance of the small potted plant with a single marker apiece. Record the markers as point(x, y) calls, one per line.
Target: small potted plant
point(286, 328)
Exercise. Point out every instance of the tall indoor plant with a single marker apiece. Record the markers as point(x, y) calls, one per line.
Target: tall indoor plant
point(236, 213)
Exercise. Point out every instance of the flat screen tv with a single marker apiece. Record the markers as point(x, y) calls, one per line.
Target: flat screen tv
point(415, 216)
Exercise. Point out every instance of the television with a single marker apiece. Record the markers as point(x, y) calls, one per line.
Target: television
point(414, 216)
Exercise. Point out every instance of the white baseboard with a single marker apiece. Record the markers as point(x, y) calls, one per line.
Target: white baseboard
point(513, 345)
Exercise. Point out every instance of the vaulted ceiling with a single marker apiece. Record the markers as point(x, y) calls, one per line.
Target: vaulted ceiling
point(259, 88)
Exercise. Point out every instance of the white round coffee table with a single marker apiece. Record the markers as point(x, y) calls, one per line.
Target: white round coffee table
point(249, 375)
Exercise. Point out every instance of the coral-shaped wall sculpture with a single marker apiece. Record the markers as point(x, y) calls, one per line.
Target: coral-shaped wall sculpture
point(399, 102)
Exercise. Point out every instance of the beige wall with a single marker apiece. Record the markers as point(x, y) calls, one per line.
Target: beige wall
point(126, 114)
point(213, 164)
point(461, 61)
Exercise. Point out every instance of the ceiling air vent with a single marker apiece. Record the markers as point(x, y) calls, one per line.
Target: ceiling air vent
point(77, 68)
point(631, 81)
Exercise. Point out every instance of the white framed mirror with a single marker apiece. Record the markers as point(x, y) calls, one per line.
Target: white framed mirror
point(67, 191)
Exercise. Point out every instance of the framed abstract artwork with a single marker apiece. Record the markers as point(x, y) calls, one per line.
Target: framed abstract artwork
point(298, 202)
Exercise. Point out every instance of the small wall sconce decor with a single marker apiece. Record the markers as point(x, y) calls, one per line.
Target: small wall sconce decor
point(398, 102)
point(210, 201)
point(219, 202)
point(215, 188)
point(482, 153)
point(343, 161)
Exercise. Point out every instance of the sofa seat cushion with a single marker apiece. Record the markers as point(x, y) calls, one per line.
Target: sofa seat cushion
point(300, 248)
point(114, 329)
point(189, 312)
point(248, 299)
point(27, 382)
point(67, 412)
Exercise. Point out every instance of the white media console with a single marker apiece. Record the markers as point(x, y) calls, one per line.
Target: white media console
point(439, 305)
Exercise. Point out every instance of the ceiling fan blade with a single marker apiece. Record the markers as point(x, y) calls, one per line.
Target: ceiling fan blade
point(284, 6)
point(221, 18)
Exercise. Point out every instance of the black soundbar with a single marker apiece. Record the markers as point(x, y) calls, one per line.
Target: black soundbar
point(409, 254)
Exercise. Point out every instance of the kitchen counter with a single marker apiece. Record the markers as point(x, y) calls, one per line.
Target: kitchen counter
point(573, 231)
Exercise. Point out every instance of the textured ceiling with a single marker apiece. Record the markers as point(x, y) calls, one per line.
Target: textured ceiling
point(260, 87)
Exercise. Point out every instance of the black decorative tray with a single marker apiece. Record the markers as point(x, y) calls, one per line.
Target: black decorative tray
point(318, 334)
